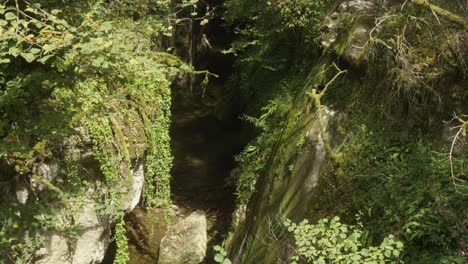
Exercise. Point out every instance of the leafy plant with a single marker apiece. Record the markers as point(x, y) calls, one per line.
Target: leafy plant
point(330, 241)
point(221, 255)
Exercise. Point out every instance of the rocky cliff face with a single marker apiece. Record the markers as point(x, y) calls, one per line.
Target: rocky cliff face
point(95, 218)
point(358, 18)
point(372, 40)
point(89, 212)
point(285, 190)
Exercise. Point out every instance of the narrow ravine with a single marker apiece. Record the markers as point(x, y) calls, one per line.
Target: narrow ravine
point(205, 136)
point(203, 148)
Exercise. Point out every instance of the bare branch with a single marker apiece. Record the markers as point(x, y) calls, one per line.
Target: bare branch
point(458, 183)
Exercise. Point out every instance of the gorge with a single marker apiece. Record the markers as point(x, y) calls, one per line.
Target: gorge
point(236, 131)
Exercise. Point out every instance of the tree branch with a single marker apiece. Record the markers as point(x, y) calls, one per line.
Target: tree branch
point(442, 12)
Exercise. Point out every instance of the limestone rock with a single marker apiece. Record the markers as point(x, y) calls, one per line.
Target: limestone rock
point(48, 171)
point(316, 158)
point(132, 198)
point(55, 249)
point(186, 241)
point(351, 43)
point(22, 194)
point(93, 239)
point(90, 246)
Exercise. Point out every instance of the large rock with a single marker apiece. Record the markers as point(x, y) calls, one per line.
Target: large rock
point(132, 198)
point(48, 171)
point(357, 17)
point(186, 241)
point(95, 229)
point(90, 246)
point(287, 191)
point(94, 224)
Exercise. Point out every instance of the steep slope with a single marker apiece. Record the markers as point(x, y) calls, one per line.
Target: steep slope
point(393, 74)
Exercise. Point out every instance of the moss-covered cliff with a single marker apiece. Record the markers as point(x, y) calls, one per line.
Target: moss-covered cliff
point(386, 148)
point(85, 114)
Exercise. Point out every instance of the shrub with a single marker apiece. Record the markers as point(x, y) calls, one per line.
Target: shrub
point(330, 241)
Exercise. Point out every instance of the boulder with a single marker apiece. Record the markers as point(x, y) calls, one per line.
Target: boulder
point(90, 246)
point(132, 198)
point(186, 241)
point(48, 171)
point(358, 17)
point(94, 236)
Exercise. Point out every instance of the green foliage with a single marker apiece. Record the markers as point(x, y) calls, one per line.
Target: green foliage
point(159, 157)
point(268, 30)
point(221, 255)
point(413, 49)
point(405, 187)
point(252, 162)
point(120, 238)
point(302, 14)
point(73, 70)
point(101, 134)
point(138, 9)
point(330, 241)
point(254, 157)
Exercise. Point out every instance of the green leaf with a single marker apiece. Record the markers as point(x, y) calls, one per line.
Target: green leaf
point(48, 47)
point(356, 258)
point(217, 248)
point(45, 58)
point(35, 50)
point(399, 245)
point(29, 57)
point(219, 258)
point(10, 16)
point(6, 60)
point(14, 51)
point(227, 261)
point(97, 62)
point(106, 26)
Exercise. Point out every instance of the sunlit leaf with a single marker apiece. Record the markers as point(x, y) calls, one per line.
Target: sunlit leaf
point(29, 57)
point(10, 16)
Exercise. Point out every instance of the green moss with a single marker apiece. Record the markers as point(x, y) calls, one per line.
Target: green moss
point(123, 148)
